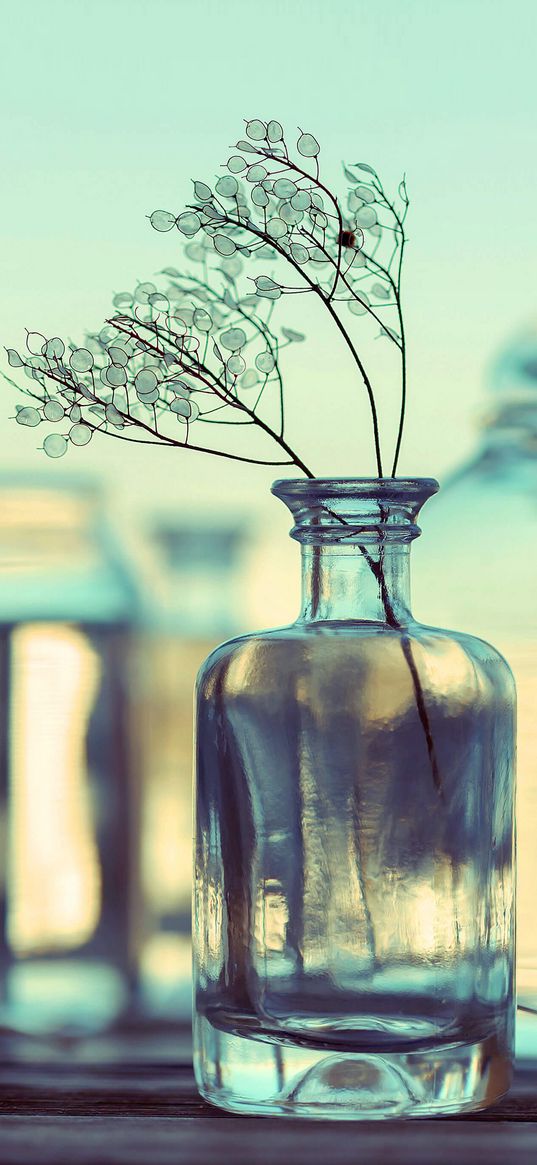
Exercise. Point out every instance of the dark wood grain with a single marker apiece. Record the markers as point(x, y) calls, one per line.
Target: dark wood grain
point(82, 1111)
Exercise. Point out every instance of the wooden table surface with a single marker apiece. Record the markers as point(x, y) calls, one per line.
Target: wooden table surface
point(138, 1105)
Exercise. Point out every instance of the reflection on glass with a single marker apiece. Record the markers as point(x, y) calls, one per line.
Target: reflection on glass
point(483, 531)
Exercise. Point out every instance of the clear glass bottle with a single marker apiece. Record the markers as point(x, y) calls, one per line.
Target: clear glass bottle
point(477, 570)
point(353, 907)
point(70, 894)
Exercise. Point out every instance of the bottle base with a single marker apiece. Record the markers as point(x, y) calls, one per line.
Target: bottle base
point(249, 1075)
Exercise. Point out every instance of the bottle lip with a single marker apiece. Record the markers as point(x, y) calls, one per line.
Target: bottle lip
point(396, 488)
point(343, 510)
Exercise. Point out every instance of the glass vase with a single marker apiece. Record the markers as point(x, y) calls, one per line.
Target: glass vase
point(353, 901)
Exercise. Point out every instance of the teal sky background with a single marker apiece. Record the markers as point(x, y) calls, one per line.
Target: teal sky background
point(110, 106)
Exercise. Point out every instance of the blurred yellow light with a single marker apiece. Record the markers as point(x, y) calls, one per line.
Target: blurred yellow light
point(53, 868)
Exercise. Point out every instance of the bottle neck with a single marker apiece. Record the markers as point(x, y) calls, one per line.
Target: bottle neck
point(357, 583)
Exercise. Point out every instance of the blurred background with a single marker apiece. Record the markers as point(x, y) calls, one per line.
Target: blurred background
point(121, 567)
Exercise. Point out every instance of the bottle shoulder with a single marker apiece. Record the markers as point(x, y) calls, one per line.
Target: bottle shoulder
point(300, 646)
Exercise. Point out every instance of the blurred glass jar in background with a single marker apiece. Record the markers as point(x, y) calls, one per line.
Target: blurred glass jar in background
point(193, 582)
point(69, 811)
point(484, 531)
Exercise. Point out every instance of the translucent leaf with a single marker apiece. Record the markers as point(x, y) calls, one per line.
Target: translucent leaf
point(195, 251)
point(145, 380)
point(231, 267)
point(114, 417)
point(54, 349)
point(217, 352)
point(180, 325)
point(236, 365)
point(276, 228)
point(142, 293)
point(80, 434)
point(123, 299)
point(308, 146)
point(159, 301)
point(259, 196)
point(319, 218)
point(84, 392)
point(227, 186)
point(75, 413)
point(233, 339)
point(28, 416)
point(290, 334)
point(202, 320)
point(256, 173)
point(35, 367)
point(148, 398)
point(256, 130)
point(181, 387)
point(354, 203)
point(34, 342)
point(349, 176)
point(317, 199)
point(386, 331)
point(116, 375)
point(318, 256)
point(249, 378)
point(13, 358)
point(299, 253)
point(103, 376)
point(274, 131)
point(202, 192)
point(189, 412)
point(375, 230)
point(380, 290)
point(358, 259)
point(265, 361)
point(364, 166)
point(118, 355)
point(53, 411)
point(301, 200)
point(162, 220)
point(285, 188)
point(291, 216)
point(267, 253)
point(267, 288)
point(81, 360)
point(246, 147)
point(181, 406)
point(235, 164)
point(55, 445)
point(366, 194)
point(211, 214)
point(223, 244)
point(172, 271)
point(189, 223)
point(358, 307)
point(366, 216)
point(186, 315)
